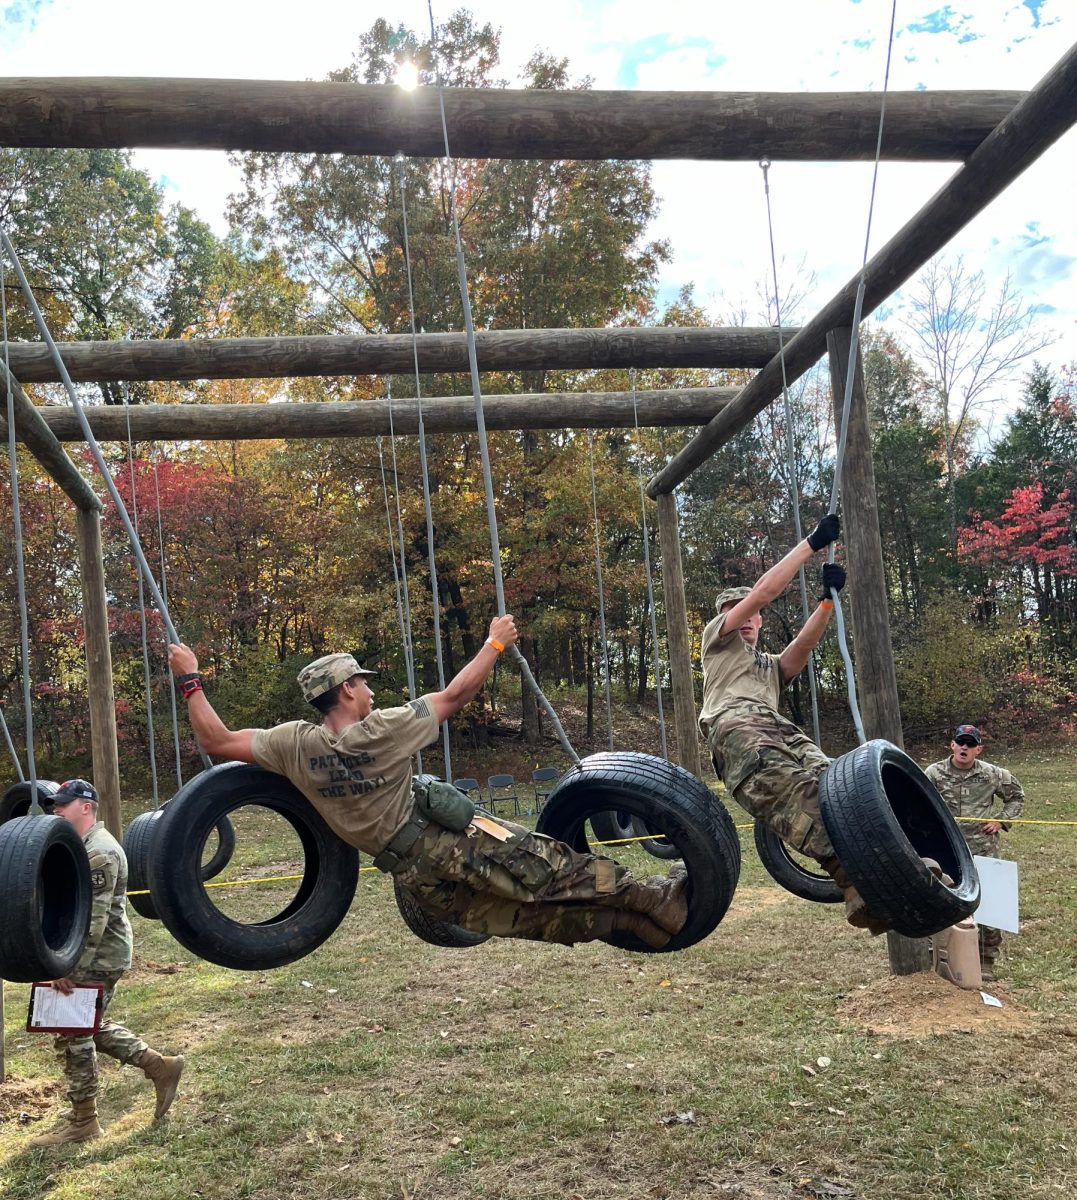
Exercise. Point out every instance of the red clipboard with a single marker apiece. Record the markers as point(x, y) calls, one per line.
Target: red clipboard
point(44, 996)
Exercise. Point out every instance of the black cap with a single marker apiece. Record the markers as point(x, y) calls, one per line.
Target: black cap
point(968, 731)
point(74, 789)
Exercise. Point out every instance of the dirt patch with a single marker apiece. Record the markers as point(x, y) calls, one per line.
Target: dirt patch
point(25, 1100)
point(925, 1004)
point(145, 968)
point(750, 899)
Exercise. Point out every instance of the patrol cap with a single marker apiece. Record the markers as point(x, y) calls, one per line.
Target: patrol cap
point(73, 789)
point(326, 673)
point(730, 595)
point(968, 731)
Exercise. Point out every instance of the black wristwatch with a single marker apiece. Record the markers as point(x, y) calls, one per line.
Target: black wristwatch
point(189, 684)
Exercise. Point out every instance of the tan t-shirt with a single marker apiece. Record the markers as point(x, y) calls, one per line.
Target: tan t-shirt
point(733, 671)
point(358, 779)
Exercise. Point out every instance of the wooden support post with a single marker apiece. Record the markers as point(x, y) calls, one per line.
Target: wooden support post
point(99, 689)
point(680, 655)
point(869, 610)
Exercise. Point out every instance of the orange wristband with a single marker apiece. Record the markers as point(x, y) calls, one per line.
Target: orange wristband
point(496, 645)
point(826, 603)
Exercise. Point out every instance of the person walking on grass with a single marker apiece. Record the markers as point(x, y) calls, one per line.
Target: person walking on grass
point(770, 767)
point(462, 866)
point(970, 788)
point(104, 961)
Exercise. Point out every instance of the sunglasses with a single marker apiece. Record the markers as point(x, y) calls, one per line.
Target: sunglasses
point(966, 742)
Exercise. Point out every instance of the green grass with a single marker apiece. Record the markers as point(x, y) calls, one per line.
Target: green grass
point(522, 1071)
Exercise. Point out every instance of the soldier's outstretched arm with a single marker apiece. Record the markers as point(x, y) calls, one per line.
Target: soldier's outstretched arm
point(214, 737)
point(465, 684)
point(794, 658)
point(770, 585)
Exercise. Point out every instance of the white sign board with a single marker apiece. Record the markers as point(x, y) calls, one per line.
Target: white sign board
point(998, 893)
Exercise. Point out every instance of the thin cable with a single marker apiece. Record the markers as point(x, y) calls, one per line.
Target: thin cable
point(164, 592)
point(647, 566)
point(480, 422)
point(146, 674)
point(790, 450)
point(409, 644)
point(435, 594)
point(20, 553)
point(601, 591)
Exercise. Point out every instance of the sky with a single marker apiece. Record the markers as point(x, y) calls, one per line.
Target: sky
point(713, 214)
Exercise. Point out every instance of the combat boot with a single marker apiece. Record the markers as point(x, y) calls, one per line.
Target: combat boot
point(627, 921)
point(165, 1071)
point(857, 912)
point(79, 1125)
point(662, 898)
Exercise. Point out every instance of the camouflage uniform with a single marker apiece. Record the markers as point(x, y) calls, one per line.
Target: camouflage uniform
point(769, 766)
point(971, 793)
point(106, 957)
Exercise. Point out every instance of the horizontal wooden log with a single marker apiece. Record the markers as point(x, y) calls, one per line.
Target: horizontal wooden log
point(255, 114)
point(1047, 112)
point(32, 429)
point(368, 418)
point(392, 354)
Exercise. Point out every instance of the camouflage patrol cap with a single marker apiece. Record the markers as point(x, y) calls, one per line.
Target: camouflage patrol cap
point(730, 595)
point(74, 789)
point(326, 673)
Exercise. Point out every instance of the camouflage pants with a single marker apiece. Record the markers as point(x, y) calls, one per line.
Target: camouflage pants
point(772, 770)
point(78, 1052)
point(529, 886)
point(988, 845)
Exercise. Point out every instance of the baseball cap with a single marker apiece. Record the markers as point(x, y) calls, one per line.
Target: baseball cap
point(326, 673)
point(730, 595)
point(968, 731)
point(73, 789)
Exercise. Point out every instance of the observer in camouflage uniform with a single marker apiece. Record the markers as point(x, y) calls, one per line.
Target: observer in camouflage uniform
point(106, 957)
point(971, 792)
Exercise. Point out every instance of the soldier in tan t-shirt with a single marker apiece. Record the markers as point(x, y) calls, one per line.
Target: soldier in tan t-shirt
point(766, 762)
point(489, 875)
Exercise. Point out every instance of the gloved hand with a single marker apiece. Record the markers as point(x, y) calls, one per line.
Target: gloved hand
point(833, 577)
point(828, 530)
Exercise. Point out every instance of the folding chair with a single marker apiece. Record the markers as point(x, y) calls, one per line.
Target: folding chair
point(470, 787)
point(502, 789)
point(543, 779)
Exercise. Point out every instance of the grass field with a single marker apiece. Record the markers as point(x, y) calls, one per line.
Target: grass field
point(776, 1059)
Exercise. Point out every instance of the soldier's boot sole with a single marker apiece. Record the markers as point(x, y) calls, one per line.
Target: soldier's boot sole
point(859, 915)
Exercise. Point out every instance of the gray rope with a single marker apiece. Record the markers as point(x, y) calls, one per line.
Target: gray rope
point(790, 449)
point(854, 346)
point(601, 592)
point(164, 592)
point(480, 422)
point(647, 566)
point(409, 647)
point(20, 558)
point(435, 596)
point(146, 673)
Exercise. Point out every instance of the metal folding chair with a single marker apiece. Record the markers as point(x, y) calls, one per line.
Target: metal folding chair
point(502, 789)
point(543, 778)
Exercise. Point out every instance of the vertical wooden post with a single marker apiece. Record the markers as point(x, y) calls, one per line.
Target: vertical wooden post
point(680, 655)
point(99, 688)
point(869, 610)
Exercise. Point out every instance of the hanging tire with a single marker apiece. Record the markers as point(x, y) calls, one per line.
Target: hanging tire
point(15, 802)
point(613, 826)
point(330, 871)
point(882, 814)
point(430, 929)
point(658, 847)
point(671, 801)
point(45, 883)
point(137, 839)
point(792, 873)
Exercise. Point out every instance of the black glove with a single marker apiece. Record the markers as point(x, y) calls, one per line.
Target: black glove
point(828, 530)
point(833, 577)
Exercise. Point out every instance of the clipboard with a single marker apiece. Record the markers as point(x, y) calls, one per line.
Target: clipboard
point(50, 1011)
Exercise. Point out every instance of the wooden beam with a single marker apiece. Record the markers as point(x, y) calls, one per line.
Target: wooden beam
point(393, 354)
point(1039, 120)
point(369, 418)
point(32, 429)
point(347, 118)
point(99, 691)
point(677, 636)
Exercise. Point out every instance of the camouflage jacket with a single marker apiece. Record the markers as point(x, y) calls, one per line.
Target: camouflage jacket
point(109, 942)
point(972, 793)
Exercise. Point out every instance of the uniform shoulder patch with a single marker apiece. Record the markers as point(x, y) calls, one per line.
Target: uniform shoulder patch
point(98, 879)
point(420, 707)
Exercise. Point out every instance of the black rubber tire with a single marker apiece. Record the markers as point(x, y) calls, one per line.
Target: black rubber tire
point(430, 929)
point(658, 847)
point(670, 800)
point(882, 814)
point(790, 872)
point(15, 802)
point(612, 826)
point(330, 871)
point(137, 839)
point(45, 883)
